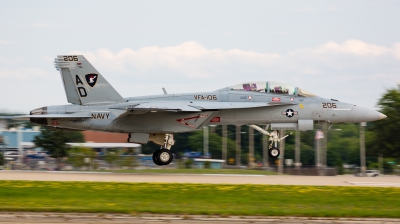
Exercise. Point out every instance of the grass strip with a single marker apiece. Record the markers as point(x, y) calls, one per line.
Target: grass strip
point(206, 199)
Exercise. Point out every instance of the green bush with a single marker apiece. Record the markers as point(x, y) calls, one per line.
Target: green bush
point(207, 165)
point(188, 163)
point(78, 154)
point(339, 166)
point(1, 159)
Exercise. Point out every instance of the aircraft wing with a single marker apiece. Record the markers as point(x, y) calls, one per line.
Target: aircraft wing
point(158, 106)
point(184, 106)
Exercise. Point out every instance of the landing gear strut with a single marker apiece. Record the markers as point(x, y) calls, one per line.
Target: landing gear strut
point(273, 151)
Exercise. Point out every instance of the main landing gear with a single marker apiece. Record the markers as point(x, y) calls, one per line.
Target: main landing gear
point(273, 150)
point(164, 155)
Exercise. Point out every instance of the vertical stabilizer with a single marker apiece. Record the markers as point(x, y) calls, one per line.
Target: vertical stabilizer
point(83, 83)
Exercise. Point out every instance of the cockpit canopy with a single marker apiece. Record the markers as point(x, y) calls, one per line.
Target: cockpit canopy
point(271, 87)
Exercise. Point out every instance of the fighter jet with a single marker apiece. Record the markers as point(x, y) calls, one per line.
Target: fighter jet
point(96, 105)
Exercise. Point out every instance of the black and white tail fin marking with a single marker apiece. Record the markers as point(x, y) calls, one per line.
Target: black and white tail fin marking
point(83, 83)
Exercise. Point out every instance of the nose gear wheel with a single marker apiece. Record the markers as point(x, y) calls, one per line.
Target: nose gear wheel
point(274, 152)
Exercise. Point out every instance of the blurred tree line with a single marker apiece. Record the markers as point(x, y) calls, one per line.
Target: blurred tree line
point(55, 141)
point(383, 139)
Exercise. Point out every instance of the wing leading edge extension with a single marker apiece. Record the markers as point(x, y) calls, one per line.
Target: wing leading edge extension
point(191, 107)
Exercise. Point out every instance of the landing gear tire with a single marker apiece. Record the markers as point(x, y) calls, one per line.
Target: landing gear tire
point(274, 152)
point(163, 157)
point(155, 157)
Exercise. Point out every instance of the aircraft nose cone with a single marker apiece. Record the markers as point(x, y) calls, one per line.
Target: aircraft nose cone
point(362, 114)
point(382, 116)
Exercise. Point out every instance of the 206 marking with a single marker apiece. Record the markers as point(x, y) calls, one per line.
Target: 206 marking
point(70, 58)
point(328, 105)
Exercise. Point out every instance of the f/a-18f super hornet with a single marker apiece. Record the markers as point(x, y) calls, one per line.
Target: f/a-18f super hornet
point(96, 105)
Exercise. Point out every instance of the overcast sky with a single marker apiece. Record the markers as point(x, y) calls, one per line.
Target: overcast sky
point(347, 50)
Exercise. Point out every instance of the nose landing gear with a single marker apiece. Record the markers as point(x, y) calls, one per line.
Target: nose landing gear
point(273, 151)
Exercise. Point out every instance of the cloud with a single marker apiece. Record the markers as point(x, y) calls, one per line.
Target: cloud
point(352, 71)
point(23, 74)
point(42, 25)
point(25, 85)
point(356, 47)
point(8, 62)
point(316, 9)
point(21, 69)
point(396, 50)
point(354, 65)
point(2, 41)
point(192, 60)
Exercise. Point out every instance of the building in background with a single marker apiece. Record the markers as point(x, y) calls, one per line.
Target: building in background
point(11, 138)
point(104, 137)
point(101, 141)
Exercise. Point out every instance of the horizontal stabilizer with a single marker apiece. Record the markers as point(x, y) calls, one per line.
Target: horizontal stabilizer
point(27, 117)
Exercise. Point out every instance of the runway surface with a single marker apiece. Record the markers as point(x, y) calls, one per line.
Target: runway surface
point(343, 180)
point(81, 218)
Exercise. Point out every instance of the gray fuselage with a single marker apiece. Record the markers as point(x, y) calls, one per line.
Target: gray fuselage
point(285, 111)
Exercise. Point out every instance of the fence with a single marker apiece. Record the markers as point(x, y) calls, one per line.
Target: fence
point(130, 162)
